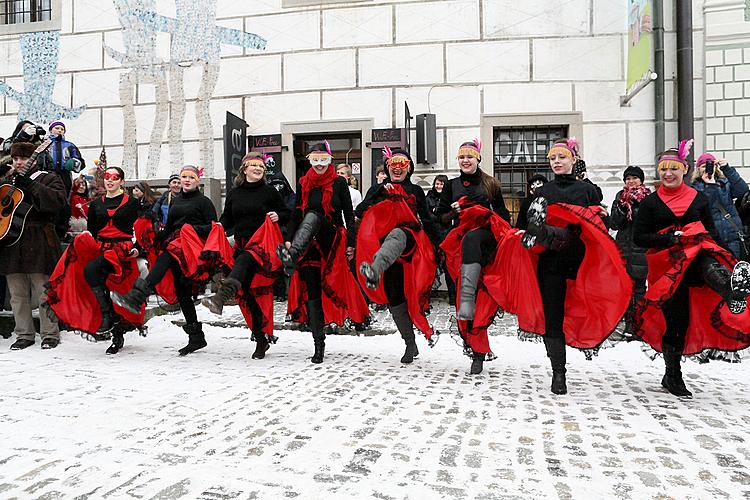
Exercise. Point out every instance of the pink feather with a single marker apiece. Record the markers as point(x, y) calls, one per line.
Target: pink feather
point(572, 143)
point(478, 144)
point(684, 148)
point(387, 153)
point(200, 171)
point(328, 147)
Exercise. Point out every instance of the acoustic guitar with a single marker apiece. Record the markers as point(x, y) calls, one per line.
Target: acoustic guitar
point(13, 208)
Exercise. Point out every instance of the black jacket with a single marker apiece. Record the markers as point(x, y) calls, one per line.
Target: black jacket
point(123, 219)
point(635, 256)
point(246, 207)
point(469, 185)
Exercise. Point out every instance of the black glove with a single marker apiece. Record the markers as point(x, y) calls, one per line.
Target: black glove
point(22, 181)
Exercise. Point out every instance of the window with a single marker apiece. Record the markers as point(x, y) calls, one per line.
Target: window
point(519, 153)
point(23, 16)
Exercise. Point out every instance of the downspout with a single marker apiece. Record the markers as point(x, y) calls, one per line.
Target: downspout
point(658, 27)
point(685, 71)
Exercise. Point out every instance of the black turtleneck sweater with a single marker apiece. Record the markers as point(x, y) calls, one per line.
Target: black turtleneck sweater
point(191, 208)
point(377, 193)
point(246, 207)
point(470, 185)
point(565, 188)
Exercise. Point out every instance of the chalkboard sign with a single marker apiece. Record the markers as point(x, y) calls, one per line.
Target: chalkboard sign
point(266, 141)
point(386, 134)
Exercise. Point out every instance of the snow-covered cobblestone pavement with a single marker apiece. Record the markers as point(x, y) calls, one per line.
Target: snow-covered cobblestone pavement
point(219, 425)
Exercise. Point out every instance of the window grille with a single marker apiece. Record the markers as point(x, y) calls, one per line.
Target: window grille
point(519, 153)
point(25, 11)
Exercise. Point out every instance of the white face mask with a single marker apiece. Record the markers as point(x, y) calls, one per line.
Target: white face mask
point(536, 185)
point(320, 162)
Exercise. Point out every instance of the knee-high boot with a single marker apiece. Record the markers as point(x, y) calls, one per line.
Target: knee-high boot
point(135, 298)
point(477, 363)
point(315, 319)
point(109, 317)
point(392, 247)
point(196, 338)
point(468, 290)
point(307, 229)
point(672, 380)
point(227, 290)
point(556, 353)
point(118, 340)
point(261, 345)
point(733, 287)
point(400, 314)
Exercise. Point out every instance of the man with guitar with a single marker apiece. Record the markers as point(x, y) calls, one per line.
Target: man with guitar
point(29, 248)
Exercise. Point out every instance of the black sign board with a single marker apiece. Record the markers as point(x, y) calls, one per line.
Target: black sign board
point(387, 134)
point(266, 141)
point(235, 145)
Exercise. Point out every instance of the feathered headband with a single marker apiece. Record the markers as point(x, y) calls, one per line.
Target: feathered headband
point(389, 156)
point(473, 148)
point(327, 150)
point(198, 171)
point(253, 159)
point(683, 151)
point(567, 147)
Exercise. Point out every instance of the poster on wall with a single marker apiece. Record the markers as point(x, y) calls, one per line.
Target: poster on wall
point(235, 145)
point(639, 42)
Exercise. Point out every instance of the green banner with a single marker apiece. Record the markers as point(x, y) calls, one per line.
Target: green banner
point(639, 40)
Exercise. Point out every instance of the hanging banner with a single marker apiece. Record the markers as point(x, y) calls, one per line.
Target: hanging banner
point(639, 42)
point(235, 146)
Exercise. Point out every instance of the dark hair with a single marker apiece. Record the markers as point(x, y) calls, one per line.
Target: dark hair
point(119, 170)
point(148, 194)
point(78, 182)
point(379, 169)
point(442, 178)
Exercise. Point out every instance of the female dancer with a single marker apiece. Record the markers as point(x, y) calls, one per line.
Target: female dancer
point(191, 223)
point(253, 211)
point(473, 203)
point(391, 242)
point(579, 266)
point(324, 290)
point(693, 302)
point(104, 259)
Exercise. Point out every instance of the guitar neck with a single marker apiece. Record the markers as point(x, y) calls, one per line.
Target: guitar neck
point(29, 163)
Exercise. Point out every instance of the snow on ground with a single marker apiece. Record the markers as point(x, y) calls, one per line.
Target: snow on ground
point(219, 425)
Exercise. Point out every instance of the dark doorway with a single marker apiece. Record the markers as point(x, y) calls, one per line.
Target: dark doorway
point(345, 146)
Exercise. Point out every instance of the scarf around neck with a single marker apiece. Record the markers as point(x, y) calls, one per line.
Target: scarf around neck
point(679, 199)
point(312, 180)
point(630, 196)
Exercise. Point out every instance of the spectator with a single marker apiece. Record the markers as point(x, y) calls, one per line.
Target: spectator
point(28, 263)
point(624, 210)
point(65, 159)
point(532, 184)
point(345, 171)
point(79, 205)
point(380, 174)
point(721, 184)
point(161, 207)
point(432, 199)
point(145, 196)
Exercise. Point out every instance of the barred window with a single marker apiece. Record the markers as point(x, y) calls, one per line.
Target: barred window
point(25, 11)
point(520, 153)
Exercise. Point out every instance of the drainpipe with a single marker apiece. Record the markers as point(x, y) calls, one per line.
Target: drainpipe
point(658, 27)
point(685, 71)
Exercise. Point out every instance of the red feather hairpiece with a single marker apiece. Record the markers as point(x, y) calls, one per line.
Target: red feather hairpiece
point(328, 147)
point(572, 143)
point(684, 148)
point(387, 153)
point(478, 144)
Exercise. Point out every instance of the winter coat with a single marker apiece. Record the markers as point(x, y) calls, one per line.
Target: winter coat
point(432, 198)
point(722, 194)
point(38, 249)
point(635, 256)
point(161, 207)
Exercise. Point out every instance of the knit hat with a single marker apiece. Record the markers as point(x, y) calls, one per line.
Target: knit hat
point(566, 147)
point(702, 159)
point(473, 148)
point(633, 171)
point(56, 123)
point(22, 149)
point(173, 177)
point(196, 171)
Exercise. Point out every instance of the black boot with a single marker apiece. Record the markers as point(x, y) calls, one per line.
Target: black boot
point(672, 380)
point(307, 229)
point(227, 290)
point(315, 320)
point(135, 298)
point(389, 251)
point(400, 314)
point(261, 346)
point(477, 363)
point(196, 338)
point(109, 317)
point(732, 287)
point(557, 357)
point(118, 340)
point(468, 290)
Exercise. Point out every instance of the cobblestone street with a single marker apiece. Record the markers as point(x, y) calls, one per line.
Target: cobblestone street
point(218, 425)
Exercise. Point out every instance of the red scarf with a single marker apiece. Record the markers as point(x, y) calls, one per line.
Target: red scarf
point(630, 196)
point(313, 180)
point(679, 199)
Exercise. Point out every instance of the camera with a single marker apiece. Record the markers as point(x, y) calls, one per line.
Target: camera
point(710, 167)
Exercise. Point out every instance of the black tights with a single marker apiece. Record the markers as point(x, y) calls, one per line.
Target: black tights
point(183, 286)
point(477, 246)
point(96, 271)
point(245, 267)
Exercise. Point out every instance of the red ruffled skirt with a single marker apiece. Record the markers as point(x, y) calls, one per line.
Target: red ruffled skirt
point(594, 302)
point(419, 266)
point(711, 324)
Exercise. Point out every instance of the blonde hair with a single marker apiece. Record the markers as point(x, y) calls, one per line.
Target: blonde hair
point(699, 171)
point(240, 178)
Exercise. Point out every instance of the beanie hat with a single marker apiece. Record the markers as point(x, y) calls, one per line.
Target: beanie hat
point(56, 123)
point(196, 171)
point(22, 149)
point(634, 171)
point(702, 159)
point(473, 148)
point(174, 177)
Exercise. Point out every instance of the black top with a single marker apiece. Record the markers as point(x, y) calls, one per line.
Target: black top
point(654, 215)
point(191, 208)
point(123, 218)
point(246, 207)
point(469, 185)
point(341, 201)
point(565, 188)
point(378, 193)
